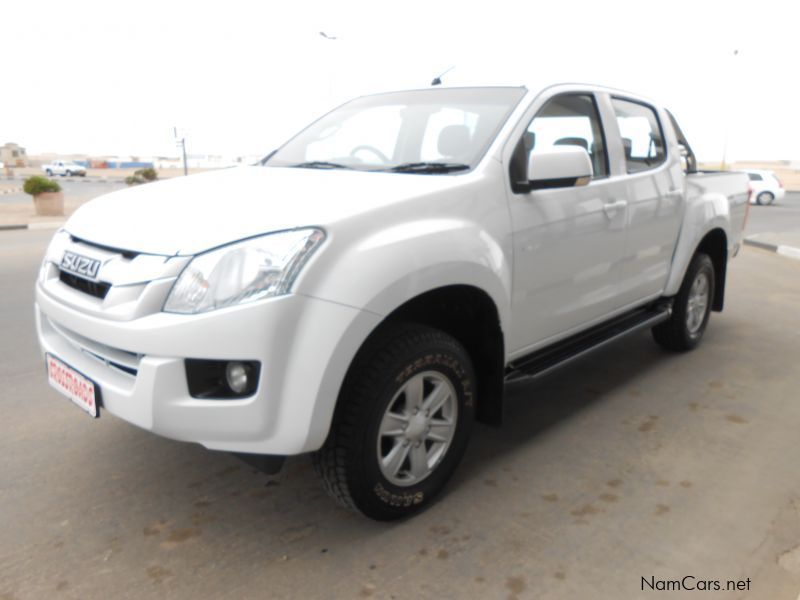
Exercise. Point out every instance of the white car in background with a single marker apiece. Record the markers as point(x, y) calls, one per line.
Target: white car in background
point(65, 168)
point(766, 187)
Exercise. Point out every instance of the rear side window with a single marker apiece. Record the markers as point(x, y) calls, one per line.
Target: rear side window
point(755, 177)
point(642, 138)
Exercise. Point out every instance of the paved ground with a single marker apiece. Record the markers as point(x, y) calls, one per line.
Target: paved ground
point(783, 216)
point(632, 463)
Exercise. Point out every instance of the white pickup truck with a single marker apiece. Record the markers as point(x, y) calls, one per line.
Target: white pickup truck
point(364, 293)
point(64, 168)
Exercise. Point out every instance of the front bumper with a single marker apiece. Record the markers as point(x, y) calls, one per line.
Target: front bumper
point(304, 344)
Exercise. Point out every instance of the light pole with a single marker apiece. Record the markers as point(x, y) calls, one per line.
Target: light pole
point(182, 143)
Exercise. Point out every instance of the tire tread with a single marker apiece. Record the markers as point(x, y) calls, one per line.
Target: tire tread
point(672, 333)
point(360, 387)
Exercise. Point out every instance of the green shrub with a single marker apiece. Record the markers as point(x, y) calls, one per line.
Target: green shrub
point(148, 174)
point(133, 180)
point(37, 184)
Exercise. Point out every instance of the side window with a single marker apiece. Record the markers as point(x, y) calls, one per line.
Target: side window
point(755, 177)
point(566, 120)
point(641, 134)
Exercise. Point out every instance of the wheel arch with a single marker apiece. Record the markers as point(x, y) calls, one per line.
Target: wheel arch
point(470, 315)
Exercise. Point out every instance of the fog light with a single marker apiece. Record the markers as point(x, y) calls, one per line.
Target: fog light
point(236, 376)
point(221, 379)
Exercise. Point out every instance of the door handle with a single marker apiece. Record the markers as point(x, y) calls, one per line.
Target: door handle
point(676, 193)
point(611, 208)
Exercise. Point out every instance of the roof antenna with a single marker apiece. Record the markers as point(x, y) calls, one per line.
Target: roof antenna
point(438, 80)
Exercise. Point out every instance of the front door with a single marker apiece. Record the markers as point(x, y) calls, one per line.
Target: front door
point(568, 242)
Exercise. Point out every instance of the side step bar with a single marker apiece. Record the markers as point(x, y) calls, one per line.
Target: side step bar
point(547, 359)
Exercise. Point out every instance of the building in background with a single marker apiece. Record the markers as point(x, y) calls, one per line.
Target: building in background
point(13, 155)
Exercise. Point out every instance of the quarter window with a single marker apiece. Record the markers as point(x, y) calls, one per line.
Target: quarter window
point(641, 134)
point(755, 177)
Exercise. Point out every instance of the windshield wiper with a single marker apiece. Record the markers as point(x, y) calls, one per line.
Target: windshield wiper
point(428, 167)
point(320, 164)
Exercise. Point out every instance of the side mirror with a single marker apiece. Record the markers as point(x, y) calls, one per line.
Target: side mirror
point(683, 150)
point(559, 166)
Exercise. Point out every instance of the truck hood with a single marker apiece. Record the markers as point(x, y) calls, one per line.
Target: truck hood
point(187, 215)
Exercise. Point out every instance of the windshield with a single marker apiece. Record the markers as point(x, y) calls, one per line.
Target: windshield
point(425, 131)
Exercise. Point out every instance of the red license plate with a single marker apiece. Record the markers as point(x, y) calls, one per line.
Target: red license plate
point(73, 385)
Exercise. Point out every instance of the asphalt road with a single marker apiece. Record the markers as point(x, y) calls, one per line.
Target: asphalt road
point(780, 217)
point(631, 463)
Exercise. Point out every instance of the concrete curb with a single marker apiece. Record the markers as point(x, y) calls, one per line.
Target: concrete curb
point(788, 251)
point(42, 225)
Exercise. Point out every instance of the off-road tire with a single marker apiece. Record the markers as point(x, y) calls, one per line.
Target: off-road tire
point(674, 334)
point(348, 463)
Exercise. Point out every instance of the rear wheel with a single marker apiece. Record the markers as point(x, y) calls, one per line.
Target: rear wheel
point(765, 198)
point(690, 309)
point(402, 424)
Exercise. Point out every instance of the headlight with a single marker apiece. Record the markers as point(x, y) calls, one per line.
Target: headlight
point(242, 272)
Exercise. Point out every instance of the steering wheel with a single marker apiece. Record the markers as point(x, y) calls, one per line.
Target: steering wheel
point(383, 158)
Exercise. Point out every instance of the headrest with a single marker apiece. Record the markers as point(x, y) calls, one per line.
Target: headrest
point(627, 144)
point(453, 140)
point(573, 141)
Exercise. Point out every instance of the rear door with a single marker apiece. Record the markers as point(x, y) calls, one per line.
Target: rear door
point(569, 241)
point(654, 190)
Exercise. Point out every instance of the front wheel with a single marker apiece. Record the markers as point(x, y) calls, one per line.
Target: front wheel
point(402, 423)
point(690, 309)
